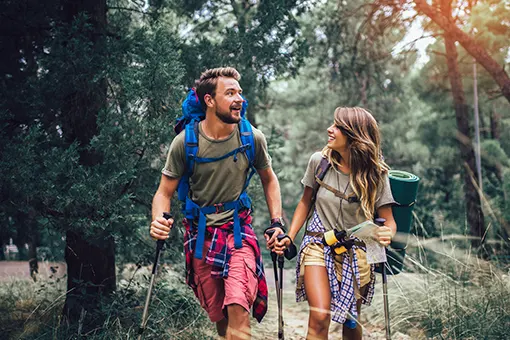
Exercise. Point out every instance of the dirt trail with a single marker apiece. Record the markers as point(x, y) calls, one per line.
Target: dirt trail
point(20, 270)
point(295, 315)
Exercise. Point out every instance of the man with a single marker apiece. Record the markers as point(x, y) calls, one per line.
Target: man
point(229, 278)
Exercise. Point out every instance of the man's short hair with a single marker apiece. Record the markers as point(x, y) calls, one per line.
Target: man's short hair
point(209, 80)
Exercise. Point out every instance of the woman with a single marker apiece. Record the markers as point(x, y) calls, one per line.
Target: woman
point(353, 190)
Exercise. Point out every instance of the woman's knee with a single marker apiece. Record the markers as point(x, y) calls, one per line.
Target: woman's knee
point(320, 320)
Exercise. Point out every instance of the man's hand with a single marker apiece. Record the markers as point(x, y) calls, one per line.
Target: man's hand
point(270, 241)
point(160, 228)
point(383, 235)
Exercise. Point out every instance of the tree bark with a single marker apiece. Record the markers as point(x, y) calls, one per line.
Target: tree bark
point(90, 260)
point(90, 278)
point(475, 217)
point(479, 53)
point(495, 119)
point(33, 263)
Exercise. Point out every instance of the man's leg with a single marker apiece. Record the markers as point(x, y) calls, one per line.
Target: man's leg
point(221, 328)
point(238, 323)
point(241, 288)
point(210, 293)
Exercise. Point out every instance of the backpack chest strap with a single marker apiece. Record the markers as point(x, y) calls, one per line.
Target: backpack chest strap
point(242, 148)
point(352, 198)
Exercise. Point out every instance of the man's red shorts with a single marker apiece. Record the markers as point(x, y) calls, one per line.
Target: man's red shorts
point(240, 287)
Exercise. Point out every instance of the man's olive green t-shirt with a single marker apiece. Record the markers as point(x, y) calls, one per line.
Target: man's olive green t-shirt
point(221, 181)
point(333, 211)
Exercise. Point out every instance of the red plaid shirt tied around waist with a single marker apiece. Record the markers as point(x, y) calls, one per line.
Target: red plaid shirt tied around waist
point(218, 255)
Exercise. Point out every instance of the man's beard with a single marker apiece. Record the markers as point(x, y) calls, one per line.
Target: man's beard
point(228, 118)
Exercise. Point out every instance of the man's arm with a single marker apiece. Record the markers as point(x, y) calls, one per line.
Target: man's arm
point(298, 220)
point(271, 191)
point(273, 199)
point(160, 227)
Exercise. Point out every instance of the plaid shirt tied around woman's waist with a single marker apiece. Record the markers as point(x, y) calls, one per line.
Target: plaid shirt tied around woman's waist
point(343, 297)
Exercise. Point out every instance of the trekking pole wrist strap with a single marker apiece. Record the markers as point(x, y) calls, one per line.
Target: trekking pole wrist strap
point(291, 251)
point(276, 224)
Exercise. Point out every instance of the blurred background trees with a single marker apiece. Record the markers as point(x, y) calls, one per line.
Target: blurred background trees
point(90, 91)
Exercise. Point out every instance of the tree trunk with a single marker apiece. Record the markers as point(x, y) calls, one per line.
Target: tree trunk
point(475, 50)
point(484, 130)
point(90, 278)
point(475, 218)
point(33, 264)
point(495, 119)
point(90, 259)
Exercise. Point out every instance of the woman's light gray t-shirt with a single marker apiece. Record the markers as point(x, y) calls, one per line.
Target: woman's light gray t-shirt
point(333, 211)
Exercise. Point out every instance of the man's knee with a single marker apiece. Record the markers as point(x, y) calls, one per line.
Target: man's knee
point(238, 322)
point(238, 312)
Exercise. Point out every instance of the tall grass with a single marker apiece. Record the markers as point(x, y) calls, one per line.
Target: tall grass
point(448, 293)
point(31, 310)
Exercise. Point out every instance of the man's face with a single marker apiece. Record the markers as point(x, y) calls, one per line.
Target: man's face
point(228, 101)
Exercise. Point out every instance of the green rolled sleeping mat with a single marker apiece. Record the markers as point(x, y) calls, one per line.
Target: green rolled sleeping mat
point(404, 187)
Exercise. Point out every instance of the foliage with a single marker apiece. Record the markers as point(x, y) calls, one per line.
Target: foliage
point(45, 176)
point(452, 294)
point(299, 60)
point(262, 39)
point(32, 310)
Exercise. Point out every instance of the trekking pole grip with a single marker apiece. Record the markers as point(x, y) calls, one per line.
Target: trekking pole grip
point(161, 243)
point(380, 221)
point(281, 259)
point(270, 233)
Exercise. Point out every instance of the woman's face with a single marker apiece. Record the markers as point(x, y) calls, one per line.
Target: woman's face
point(337, 140)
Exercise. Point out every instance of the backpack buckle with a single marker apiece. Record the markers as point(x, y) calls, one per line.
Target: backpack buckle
point(219, 208)
point(352, 199)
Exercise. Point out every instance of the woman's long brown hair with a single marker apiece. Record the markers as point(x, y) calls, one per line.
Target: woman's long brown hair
point(366, 160)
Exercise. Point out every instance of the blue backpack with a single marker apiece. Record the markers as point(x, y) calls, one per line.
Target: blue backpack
point(192, 114)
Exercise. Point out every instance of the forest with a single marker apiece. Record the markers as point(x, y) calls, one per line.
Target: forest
point(90, 93)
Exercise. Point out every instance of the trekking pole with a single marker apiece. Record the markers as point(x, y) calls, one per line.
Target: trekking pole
point(281, 261)
point(278, 285)
point(380, 222)
point(159, 247)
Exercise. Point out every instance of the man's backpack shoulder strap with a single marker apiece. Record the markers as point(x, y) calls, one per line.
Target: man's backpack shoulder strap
point(191, 145)
point(190, 152)
point(246, 133)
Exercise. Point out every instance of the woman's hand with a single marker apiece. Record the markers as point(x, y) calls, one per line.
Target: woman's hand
point(383, 235)
point(281, 245)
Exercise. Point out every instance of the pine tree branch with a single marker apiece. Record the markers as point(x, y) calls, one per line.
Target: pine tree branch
point(130, 10)
point(470, 45)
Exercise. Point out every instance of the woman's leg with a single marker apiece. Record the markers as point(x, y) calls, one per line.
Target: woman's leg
point(319, 299)
point(356, 333)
